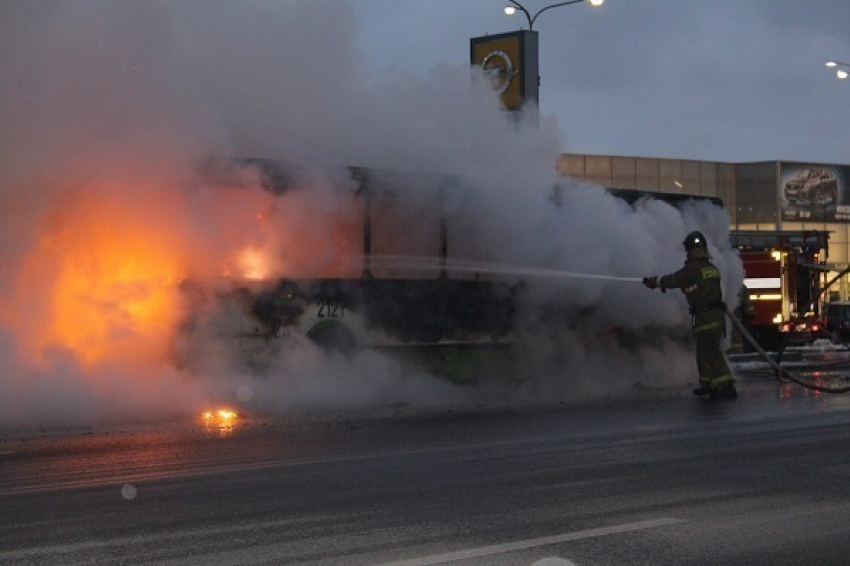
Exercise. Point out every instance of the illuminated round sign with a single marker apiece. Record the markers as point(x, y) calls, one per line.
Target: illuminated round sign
point(499, 68)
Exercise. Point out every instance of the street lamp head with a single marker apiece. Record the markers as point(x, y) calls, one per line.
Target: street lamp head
point(514, 5)
point(842, 70)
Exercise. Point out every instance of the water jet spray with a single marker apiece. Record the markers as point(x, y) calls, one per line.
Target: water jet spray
point(471, 266)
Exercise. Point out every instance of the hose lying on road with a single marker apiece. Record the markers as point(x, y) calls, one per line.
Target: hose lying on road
point(779, 369)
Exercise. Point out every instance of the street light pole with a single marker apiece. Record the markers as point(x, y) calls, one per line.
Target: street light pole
point(841, 70)
point(510, 10)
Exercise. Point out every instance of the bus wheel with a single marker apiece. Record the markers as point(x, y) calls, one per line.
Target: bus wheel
point(333, 337)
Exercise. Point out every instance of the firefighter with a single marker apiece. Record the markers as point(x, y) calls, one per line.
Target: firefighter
point(700, 281)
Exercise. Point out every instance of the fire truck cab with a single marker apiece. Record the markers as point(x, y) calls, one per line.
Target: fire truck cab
point(784, 273)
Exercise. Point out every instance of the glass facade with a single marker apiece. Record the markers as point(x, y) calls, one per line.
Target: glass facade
point(757, 202)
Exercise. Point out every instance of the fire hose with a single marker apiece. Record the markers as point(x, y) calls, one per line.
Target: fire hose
point(781, 371)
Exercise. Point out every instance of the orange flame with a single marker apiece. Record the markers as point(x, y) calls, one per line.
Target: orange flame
point(253, 264)
point(106, 276)
point(123, 290)
point(101, 281)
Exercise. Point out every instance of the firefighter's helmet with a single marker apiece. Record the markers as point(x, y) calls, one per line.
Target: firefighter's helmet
point(695, 240)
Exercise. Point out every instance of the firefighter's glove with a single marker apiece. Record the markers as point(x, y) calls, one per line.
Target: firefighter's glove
point(651, 282)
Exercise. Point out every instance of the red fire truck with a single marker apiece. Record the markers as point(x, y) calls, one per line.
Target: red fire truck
point(784, 278)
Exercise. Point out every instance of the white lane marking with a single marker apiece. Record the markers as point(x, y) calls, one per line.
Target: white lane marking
point(554, 561)
point(8, 452)
point(533, 542)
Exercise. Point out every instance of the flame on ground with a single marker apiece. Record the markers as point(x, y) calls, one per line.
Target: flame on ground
point(223, 415)
point(221, 422)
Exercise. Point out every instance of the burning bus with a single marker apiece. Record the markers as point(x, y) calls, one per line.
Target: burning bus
point(395, 274)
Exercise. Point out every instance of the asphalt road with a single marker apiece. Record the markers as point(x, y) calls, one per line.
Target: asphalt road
point(764, 480)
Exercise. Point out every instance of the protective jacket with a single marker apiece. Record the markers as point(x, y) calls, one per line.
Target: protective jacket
point(700, 281)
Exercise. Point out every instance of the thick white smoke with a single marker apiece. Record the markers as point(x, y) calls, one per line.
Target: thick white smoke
point(121, 121)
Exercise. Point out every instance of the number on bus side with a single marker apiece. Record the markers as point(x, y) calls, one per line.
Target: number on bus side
point(330, 309)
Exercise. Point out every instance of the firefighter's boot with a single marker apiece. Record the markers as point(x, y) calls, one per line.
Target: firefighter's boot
point(703, 390)
point(726, 391)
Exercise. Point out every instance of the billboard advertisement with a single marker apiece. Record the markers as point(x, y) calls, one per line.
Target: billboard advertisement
point(509, 61)
point(814, 192)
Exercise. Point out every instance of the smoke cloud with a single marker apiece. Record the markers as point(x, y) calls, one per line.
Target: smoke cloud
point(123, 125)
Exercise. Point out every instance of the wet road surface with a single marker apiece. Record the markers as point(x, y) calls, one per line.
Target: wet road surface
point(651, 480)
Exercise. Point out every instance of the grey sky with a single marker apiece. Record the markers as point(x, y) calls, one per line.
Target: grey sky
point(729, 80)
